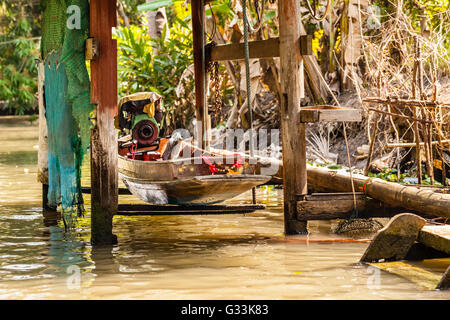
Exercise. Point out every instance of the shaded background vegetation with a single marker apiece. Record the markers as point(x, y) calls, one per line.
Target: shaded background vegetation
point(19, 43)
point(142, 67)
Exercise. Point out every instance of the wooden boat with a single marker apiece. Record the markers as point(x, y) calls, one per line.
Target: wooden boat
point(154, 173)
point(186, 181)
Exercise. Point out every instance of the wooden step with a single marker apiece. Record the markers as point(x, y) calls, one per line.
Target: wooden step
point(329, 114)
point(436, 237)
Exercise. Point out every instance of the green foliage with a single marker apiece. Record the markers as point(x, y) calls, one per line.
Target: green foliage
point(391, 176)
point(388, 175)
point(147, 64)
point(154, 5)
point(19, 25)
point(335, 167)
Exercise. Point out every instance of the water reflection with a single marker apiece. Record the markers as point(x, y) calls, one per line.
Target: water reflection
point(184, 257)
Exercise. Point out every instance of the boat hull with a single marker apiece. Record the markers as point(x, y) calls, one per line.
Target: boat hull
point(184, 182)
point(195, 190)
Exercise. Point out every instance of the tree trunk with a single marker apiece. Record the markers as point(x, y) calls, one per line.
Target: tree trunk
point(157, 21)
point(409, 197)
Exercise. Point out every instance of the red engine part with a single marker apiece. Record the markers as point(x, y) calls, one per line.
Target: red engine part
point(145, 132)
point(152, 156)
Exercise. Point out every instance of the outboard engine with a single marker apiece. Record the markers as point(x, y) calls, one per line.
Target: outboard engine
point(139, 116)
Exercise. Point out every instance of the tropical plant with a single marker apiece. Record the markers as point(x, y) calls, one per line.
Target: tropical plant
point(19, 30)
point(140, 69)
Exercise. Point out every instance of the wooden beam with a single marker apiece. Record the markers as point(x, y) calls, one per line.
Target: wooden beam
point(329, 114)
point(293, 134)
point(104, 174)
point(162, 210)
point(189, 208)
point(258, 50)
point(261, 49)
point(306, 45)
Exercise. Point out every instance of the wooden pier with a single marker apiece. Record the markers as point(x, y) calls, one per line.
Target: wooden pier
point(293, 47)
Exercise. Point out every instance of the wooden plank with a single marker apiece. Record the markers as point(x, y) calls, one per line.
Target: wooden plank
point(334, 196)
point(330, 115)
point(324, 207)
point(121, 191)
point(425, 279)
point(366, 213)
point(163, 210)
point(194, 208)
point(104, 174)
point(436, 237)
point(341, 206)
point(258, 50)
point(293, 134)
point(182, 213)
point(306, 45)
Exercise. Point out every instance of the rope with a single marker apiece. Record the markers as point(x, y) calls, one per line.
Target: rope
point(355, 210)
point(214, 31)
point(205, 102)
point(260, 16)
point(248, 80)
point(247, 73)
point(365, 184)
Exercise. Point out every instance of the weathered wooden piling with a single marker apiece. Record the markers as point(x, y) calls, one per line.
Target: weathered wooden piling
point(104, 173)
point(293, 132)
point(42, 175)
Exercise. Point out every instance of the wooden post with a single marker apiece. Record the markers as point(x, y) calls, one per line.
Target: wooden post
point(43, 144)
point(104, 175)
point(293, 132)
point(198, 34)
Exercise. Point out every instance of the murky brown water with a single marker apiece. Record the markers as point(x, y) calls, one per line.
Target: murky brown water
point(179, 257)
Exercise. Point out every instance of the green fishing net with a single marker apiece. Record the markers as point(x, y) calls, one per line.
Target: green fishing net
point(67, 96)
